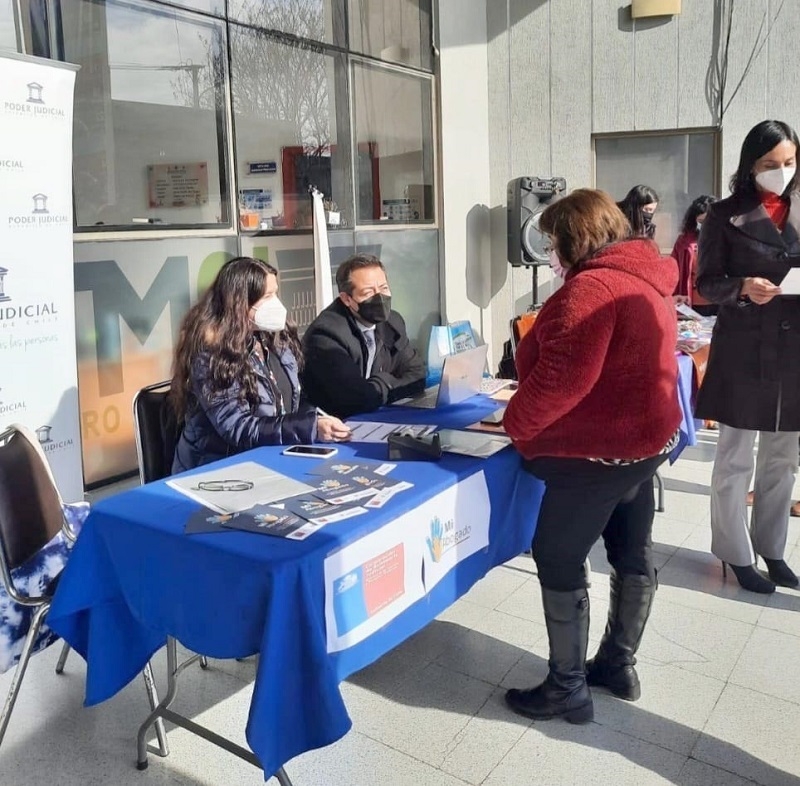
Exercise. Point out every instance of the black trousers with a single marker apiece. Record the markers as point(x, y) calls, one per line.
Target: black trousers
point(584, 500)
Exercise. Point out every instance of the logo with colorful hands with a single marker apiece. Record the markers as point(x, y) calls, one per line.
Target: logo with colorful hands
point(436, 540)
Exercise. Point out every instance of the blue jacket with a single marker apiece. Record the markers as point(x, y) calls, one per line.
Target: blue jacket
point(223, 425)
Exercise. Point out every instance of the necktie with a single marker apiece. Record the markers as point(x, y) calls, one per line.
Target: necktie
point(369, 337)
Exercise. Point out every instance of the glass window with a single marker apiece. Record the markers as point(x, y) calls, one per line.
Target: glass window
point(8, 31)
point(149, 146)
point(216, 7)
point(394, 133)
point(317, 20)
point(292, 131)
point(679, 166)
point(399, 32)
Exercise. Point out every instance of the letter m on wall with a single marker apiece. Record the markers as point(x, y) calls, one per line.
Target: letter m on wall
point(114, 299)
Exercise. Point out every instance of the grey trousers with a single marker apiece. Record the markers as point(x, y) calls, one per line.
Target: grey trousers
point(776, 467)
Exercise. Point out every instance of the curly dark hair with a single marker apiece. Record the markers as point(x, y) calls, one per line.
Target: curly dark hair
point(699, 206)
point(219, 324)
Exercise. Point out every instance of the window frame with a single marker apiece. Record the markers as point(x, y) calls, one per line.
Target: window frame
point(223, 147)
point(430, 77)
point(714, 131)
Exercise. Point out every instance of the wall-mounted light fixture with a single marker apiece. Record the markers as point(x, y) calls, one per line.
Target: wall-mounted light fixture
point(643, 8)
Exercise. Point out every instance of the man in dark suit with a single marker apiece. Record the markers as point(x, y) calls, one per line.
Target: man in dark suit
point(357, 353)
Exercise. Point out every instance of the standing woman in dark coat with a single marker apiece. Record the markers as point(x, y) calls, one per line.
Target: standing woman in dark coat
point(236, 369)
point(749, 243)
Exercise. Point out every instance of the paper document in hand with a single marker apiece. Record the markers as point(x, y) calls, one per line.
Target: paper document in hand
point(472, 443)
point(238, 487)
point(791, 284)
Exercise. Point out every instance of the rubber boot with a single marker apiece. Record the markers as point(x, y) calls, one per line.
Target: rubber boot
point(564, 693)
point(613, 667)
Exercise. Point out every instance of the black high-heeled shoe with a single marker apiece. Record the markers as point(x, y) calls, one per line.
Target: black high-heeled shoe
point(750, 579)
point(781, 573)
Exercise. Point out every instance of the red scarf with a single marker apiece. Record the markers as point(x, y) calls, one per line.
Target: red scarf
point(777, 208)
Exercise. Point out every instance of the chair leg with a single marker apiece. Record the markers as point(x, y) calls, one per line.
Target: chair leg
point(62, 658)
point(19, 673)
point(203, 663)
point(152, 697)
point(660, 483)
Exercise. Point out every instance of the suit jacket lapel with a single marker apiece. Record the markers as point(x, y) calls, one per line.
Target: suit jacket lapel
point(753, 220)
point(791, 232)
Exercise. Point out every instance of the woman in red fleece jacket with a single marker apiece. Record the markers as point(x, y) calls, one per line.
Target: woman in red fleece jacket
point(595, 415)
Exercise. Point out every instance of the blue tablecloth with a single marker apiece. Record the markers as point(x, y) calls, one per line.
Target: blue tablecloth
point(688, 425)
point(135, 578)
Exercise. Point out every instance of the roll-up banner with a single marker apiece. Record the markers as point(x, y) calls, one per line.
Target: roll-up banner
point(38, 368)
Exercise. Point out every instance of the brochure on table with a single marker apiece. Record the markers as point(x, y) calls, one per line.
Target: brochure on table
point(238, 487)
point(253, 498)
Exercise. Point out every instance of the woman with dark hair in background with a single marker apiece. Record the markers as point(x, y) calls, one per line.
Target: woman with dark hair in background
point(235, 372)
point(685, 253)
point(749, 242)
point(595, 415)
point(639, 206)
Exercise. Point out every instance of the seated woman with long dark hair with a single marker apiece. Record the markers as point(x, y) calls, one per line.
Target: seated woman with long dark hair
point(235, 372)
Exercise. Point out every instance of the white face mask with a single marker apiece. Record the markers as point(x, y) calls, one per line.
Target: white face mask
point(776, 180)
point(555, 264)
point(270, 315)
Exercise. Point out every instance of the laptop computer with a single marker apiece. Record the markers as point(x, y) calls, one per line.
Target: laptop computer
point(461, 378)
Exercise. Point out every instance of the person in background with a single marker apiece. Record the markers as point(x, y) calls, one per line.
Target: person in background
point(685, 254)
point(235, 372)
point(749, 243)
point(639, 206)
point(358, 356)
point(594, 417)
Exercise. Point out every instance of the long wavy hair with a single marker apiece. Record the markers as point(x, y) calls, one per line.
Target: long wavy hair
point(697, 208)
point(219, 324)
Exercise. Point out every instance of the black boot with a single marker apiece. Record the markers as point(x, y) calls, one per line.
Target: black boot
point(613, 666)
point(564, 693)
point(781, 573)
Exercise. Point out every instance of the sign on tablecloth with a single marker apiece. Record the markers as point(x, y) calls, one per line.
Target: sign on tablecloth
point(374, 579)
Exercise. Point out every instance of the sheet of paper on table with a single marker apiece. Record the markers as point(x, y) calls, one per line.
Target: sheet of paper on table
point(472, 443)
point(238, 487)
point(365, 431)
point(791, 284)
point(505, 394)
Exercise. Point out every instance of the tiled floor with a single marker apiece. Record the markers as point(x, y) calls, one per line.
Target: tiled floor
point(720, 706)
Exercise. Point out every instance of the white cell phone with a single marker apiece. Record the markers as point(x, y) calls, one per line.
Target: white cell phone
point(310, 451)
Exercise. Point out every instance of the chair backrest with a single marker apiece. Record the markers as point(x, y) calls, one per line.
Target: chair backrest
point(521, 325)
point(157, 431)
point(30, 505)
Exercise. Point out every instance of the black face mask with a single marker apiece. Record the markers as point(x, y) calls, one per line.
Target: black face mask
point(649, 226)
point(376, 308)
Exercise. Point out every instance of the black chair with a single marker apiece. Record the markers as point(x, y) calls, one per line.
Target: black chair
point(157, 432)
point(31, 515)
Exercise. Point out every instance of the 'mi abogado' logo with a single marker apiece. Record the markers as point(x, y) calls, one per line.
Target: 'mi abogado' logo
point(41, 311)
point(40, 216)
point(49, 443)
point(32, 103)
